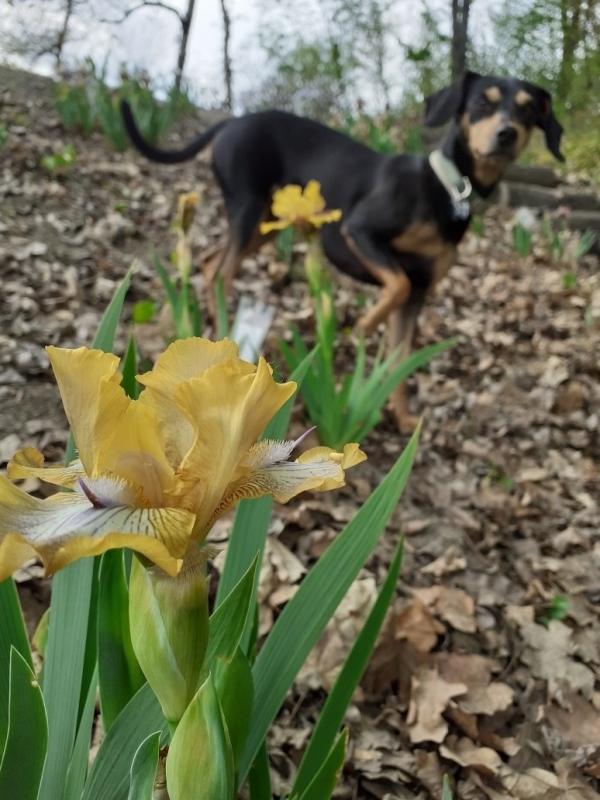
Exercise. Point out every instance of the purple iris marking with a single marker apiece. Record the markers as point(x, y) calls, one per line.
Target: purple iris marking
point(94, 500)
point(304, 435)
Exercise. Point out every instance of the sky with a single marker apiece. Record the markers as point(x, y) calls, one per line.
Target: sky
point(149, 38)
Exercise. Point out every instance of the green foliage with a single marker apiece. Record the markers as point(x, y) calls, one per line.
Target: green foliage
point(24, 750)
point(427, 54)
point(376, 134)
point(144, 311)
point(90, 104)
point(143, 769)
point(477, 225)
point(204, 771)
point(75, 107)
point(550, 42)
point(182, 298)
point(347, 410)
point(221, 301)
point(285, 245)
point(235, 696)
point(59, 162)
point(339, 697)
point(497, 476)
point(566, 247)
point(446, 789)
point(3, 135)
point(109, 777)
point(304, 618)
point(585, 243)
point(327, 775)
point(389, 133)
point(309, 76)
point(12, 636)
point(582, 143)
point(120, 676)
point(344, 410)
point(522, 240)
point(558, 608)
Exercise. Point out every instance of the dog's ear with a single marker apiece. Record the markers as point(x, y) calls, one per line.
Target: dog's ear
point(449, 102)
point(549, 124)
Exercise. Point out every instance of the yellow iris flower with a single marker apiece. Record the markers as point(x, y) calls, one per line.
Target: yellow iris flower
point(299, 208)
point(153, 474)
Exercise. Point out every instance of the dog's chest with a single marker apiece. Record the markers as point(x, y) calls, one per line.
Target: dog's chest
point(423, 239)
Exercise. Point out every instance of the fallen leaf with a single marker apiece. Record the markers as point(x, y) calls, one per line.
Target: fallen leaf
point(466, 753)
point(549, 652)
point(487, 700)
point(576, 719)
point(446, 564)
point(454, 606)
point(417, 625)
point(429, 698)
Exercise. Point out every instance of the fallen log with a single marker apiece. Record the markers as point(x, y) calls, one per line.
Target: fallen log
point(532, 174)
point(523, 194)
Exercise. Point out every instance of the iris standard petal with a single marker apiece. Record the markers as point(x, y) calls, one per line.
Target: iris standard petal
point(81, 374)
point(287, 202)
point(229, 407)
point(67, 526)
point(180, 362)
point(313, 197)
point(113, 433)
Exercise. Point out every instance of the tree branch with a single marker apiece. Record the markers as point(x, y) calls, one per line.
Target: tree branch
point(144, 4)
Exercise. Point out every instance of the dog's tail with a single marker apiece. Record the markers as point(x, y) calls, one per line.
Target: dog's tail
point(166, 156)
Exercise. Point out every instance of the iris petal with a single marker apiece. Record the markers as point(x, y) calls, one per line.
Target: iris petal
point(181, 361)
point(229, 407)
point(67, 526)
point(107, 425)
point(319, 469)
point(29, 463)
point(81, 374)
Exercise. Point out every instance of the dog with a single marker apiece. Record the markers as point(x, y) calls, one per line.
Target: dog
point(402, 216)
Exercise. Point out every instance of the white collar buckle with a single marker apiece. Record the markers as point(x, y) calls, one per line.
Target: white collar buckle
point(458, 186)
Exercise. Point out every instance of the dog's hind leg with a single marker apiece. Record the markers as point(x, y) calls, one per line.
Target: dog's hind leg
point(244, 238)
point(211, 262)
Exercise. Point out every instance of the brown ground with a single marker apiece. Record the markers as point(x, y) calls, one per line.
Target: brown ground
point(501, 513)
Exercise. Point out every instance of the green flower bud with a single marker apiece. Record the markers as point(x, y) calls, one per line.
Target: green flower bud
point(169, 630)
point(313, 264)
point(200, 761)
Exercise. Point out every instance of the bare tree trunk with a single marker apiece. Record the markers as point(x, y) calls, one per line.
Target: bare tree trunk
point(186, 24)
point(227, 72)
point(570, 24)
point(460, 24)
point(62, 34)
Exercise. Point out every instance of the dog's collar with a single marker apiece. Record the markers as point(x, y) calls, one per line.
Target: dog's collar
point(458, 186)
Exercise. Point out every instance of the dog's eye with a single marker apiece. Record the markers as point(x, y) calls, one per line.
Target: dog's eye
point(484, 102)
point(528, 111)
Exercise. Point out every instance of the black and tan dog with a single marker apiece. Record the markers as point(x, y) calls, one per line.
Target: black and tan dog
point(402, 216)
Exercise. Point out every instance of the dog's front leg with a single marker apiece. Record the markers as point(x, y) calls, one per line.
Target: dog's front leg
point(395, 285)
point(401, 327)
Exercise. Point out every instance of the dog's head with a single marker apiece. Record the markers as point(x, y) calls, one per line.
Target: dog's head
point(496, 117)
